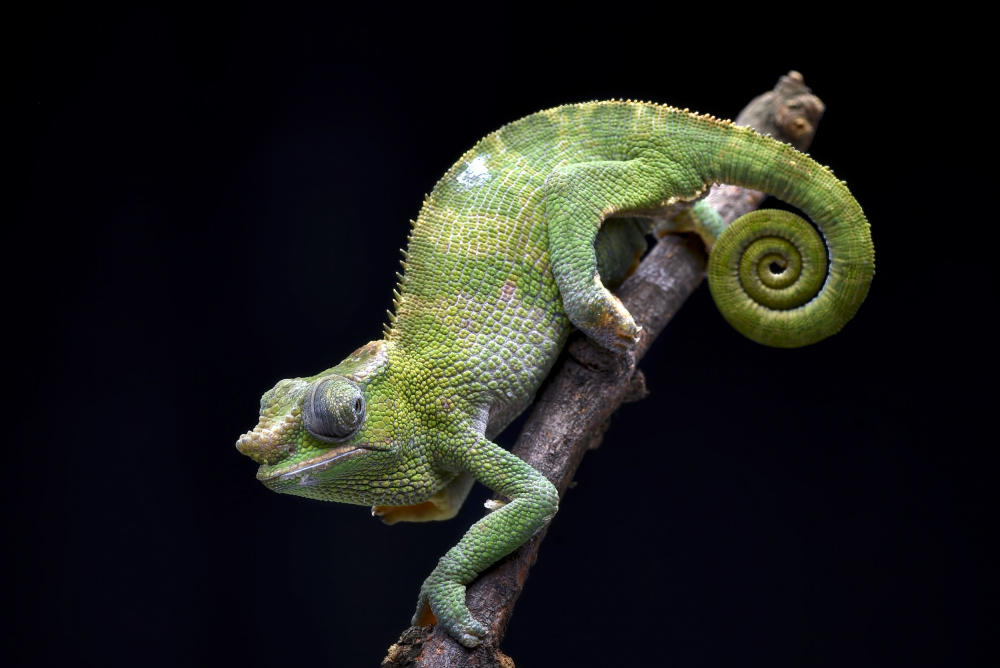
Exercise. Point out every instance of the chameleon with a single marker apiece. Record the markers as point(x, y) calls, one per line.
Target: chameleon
point(516, 245)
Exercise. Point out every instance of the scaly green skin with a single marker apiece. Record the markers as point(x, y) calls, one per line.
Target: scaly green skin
point(501, 264)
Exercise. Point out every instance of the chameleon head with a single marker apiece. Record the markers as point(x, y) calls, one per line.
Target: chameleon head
point(311, 433)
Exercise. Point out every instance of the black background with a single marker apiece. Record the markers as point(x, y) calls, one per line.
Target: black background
point(206, 201)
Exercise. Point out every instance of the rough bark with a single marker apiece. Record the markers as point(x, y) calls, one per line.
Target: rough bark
point(588, 384)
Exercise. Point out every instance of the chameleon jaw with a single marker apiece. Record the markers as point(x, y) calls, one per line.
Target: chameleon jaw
point(308, 467)
point(308, 475)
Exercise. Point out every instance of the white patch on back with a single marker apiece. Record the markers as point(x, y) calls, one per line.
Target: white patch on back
point(476, 173)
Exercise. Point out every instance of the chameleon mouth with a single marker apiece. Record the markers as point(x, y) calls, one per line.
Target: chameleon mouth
point(303, 471)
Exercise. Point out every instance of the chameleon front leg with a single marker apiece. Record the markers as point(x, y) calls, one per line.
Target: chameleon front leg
point(533, 500)
point(578, 198)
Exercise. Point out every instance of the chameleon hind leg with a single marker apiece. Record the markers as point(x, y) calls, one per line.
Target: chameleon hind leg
point(578, 199)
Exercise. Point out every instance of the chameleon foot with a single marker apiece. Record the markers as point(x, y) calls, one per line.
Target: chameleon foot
point(445, 601)
point(610, 324)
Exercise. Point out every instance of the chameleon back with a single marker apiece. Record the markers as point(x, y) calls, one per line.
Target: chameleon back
point(478, 302)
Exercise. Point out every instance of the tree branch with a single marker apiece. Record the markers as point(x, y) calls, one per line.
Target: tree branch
point(588, 384)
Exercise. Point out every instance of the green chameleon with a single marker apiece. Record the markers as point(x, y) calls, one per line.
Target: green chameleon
point(515, 246)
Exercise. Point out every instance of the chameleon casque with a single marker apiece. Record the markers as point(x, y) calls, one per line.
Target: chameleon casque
point(515, 246)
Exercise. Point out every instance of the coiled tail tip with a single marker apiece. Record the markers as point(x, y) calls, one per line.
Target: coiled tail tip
point(777, 282)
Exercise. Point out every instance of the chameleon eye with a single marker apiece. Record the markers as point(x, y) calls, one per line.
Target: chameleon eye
point(333, 409)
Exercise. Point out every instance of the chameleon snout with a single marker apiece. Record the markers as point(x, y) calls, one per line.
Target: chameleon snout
point(262, 445)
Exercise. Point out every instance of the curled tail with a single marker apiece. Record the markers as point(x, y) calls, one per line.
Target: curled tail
point(772, 276)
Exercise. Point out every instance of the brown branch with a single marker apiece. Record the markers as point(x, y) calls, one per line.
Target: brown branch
point(588, 384)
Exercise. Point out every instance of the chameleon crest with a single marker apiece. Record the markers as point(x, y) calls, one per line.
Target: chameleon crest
point(517, 244)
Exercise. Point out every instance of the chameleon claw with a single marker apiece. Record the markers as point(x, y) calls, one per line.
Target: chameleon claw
point(467, 639)
point(452, 614)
